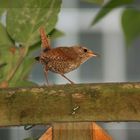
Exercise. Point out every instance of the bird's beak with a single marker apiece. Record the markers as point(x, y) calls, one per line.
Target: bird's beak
point(92, 54)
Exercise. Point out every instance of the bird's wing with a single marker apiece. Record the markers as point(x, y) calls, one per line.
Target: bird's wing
point(60, 54)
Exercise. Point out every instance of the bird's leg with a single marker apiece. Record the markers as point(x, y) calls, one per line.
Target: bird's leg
point(74, 106)
point(46, 75)
point(67, 78)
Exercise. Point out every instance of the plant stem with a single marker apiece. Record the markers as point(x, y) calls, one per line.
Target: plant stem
point(13, 72)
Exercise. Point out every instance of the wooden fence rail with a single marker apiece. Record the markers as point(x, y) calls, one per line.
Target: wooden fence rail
point(62, 103)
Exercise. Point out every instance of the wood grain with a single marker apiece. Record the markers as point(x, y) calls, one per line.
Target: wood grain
point(47, 135)
point(76, 131)
point(99, 133)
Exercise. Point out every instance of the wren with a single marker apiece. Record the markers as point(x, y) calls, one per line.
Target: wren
point(61, 60)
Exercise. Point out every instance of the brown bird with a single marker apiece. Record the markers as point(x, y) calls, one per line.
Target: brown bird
point(61, 60)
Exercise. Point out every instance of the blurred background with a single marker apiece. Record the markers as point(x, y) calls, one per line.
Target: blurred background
point(117, 62)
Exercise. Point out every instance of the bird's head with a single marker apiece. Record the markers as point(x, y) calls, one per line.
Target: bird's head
point(84, 53)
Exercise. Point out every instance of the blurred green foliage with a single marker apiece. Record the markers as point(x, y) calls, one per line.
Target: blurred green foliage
point(130, 18)
point(99, 2)
point(108, 7)
point(19, 36)
point(31, 138)
point(131, 24)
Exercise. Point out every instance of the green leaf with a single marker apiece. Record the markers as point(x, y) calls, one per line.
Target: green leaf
point(4, 3)
point(100, 2)
point(21, 76)
point(4, 38)
point(2, 65)
point(109, 7)
point(2, 11)
point(55, 33)
point(6, 56)
point(131, 24)
point(23, 23)
point(31, 138)
point(24, 70)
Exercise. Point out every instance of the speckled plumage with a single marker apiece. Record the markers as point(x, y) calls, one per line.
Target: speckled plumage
point(62, 60)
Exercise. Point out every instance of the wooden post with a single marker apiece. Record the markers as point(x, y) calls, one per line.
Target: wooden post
point(48, 135)
point(75, 131)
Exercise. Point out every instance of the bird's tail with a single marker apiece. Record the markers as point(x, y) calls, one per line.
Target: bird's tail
point(44, 39)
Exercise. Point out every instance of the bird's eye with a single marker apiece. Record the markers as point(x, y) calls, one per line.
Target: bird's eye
point(85, 50)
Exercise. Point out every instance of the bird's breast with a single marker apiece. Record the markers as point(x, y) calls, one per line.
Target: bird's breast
point(62, 66)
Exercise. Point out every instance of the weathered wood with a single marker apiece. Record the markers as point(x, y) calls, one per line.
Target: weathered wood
point(98, 133)
point(75, 131)
point(96, 102)
point(72, 131)
point(48, 135)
